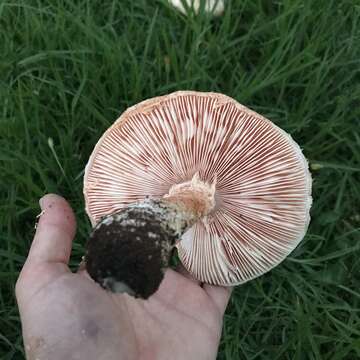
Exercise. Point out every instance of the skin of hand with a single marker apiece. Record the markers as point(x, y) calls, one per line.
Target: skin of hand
point(66, 315)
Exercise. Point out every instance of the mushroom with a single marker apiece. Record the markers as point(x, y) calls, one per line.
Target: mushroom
point(200, 172)
point(214, 7)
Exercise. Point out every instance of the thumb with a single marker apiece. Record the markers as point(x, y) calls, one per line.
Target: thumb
point(50, 250)
point(55, 232)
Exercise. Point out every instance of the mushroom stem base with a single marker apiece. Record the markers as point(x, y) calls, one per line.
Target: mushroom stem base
point(129, 251)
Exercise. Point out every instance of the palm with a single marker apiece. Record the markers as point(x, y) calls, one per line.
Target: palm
point(180, 321)
point(68, 316)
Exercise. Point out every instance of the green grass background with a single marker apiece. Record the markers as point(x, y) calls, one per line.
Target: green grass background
point(69, 68)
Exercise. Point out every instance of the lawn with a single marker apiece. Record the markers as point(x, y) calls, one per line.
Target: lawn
point(69, 68)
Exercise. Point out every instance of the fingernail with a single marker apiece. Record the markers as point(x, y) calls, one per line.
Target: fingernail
point(82, 264)
point(37, 218)
point(41, 203)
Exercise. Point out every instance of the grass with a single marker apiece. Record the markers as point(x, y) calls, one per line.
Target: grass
point(69, 68)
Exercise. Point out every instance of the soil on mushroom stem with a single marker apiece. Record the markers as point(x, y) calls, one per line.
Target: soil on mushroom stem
point(130, 252)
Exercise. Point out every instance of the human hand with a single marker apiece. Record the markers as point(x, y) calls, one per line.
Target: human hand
point(67, 315)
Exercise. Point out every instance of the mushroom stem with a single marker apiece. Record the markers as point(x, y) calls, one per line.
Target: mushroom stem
point(129, 251)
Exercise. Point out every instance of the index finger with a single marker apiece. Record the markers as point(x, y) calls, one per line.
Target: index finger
point(220, 295)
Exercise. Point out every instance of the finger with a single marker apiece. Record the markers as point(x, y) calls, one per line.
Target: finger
point(85, 274)
point(220, 295)
point(82, 269)
point(181, 270)
point(50, 251)
point(54, 233)
point(82, 265)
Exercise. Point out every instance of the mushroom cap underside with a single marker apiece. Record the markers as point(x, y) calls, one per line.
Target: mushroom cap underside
point(263, 185)
point(214, 7)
